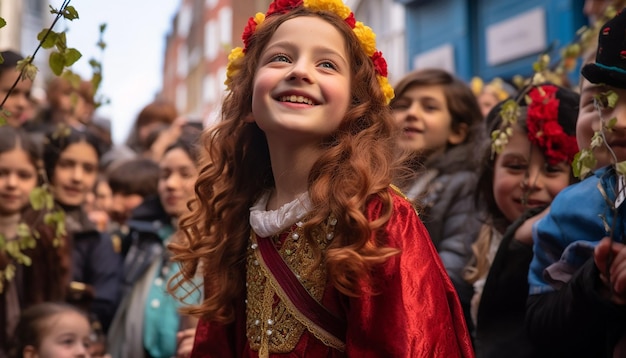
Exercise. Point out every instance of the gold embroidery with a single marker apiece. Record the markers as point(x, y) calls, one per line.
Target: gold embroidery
point(273, 325)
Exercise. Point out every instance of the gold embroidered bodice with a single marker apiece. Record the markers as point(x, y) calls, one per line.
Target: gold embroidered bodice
point(273, 324)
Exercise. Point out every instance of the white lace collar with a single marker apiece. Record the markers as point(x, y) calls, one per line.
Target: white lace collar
point(266, 223)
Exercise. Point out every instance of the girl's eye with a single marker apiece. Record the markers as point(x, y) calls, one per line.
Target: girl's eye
point(551, 169)
point(400, 105)
point(516, 167)
point(329, 65)
point(280, 58)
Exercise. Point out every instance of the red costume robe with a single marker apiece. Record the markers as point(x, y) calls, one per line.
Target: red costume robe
point(415, 313)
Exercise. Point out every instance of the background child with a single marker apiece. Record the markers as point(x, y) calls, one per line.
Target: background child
point(577, 302)
point(296, 195)
point(52, 330)
point(515, 185)
point(148, 319)
point(441, 127)
point(47, 275)
point(71, 160)
point(17, 103)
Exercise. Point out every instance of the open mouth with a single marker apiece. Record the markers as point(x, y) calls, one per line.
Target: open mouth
point(296, 99)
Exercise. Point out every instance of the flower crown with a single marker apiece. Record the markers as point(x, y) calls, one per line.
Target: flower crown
point(366, 37)
point(542, 122)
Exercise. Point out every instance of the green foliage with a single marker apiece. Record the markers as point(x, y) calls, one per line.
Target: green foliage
point(41, 198)
point(584, 161)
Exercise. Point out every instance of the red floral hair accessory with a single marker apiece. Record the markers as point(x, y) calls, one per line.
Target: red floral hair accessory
point(366, 36)
point(544, 130)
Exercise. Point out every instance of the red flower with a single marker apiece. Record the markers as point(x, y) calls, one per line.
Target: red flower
point(350, 20)
point(282, 6)
point(379, 63)
point(544, 129)
point(248, 31)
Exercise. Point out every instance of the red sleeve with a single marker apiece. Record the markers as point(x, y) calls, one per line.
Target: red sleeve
point(417, 312)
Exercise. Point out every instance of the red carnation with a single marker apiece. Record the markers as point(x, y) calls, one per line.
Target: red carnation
point(282, 6)
point(248, 31)
point(379, 63)
point(350, 20)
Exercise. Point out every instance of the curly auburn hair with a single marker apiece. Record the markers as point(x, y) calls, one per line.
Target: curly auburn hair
point(357, 165)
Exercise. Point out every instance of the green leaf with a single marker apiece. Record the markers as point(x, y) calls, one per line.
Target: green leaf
point(61, 41)
point(71, 55)
point(50, 40)
point(41, 198)
point(56, 63)
point(610, 124)
point(70, 13)
point(27, 68)
point(584, 162)
point(621, 168)
point(3, 23)
point(611, 98)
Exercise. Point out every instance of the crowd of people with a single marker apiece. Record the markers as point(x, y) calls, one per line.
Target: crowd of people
point(327, 213)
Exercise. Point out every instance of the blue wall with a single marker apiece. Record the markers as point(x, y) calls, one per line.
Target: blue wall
point(462, 23)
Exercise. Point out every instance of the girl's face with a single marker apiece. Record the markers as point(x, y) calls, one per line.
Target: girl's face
point(301, 89)
point(18, 103)
point(176, 181)
point(18, 177)
point(487, 100)
point(523, 179)
point(75, 173)
point(422, 114)
point(589, 122)
point(67, 336)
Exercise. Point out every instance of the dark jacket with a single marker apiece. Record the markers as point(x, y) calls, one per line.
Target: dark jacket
point(501, 331)
point(447, 209)
point(94, 263)
point(143, 241)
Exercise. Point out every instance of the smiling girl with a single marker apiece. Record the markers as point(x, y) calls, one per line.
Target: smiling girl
point(46, 277)
point(520, 177)
point(71, 159)
point(305, 248)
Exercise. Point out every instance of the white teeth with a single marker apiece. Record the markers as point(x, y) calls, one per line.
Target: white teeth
point(296, 99)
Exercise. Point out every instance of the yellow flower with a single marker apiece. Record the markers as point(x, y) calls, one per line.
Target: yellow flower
point(366, 37)
point(259, 18)
point(386, 87)
point(336, 6)
point(234, 59)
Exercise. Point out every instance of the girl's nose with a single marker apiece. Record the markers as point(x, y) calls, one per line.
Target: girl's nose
point(300, 72)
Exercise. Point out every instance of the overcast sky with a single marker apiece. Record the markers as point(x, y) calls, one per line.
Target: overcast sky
point(133, 59)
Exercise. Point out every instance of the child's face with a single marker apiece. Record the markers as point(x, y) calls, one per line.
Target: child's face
point(177, 178)
point(122, 206)
point(523, 179)
point(487, 100)
point(301, 89)
point(75, 173)
point(18, 177)
point(589, 122)
point(422, 114)
point(18, 103)
point(67, 336)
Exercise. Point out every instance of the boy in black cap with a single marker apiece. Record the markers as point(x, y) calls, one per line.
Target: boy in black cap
point(577, 278)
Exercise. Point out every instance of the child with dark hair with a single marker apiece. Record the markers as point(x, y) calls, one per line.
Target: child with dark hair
point(130, 182)
point(71, 160)
point(440, 126)
point(523, 169)
point(577, 278)
point(44, 274)
point(52, 330)
point(14, 105)
point(147, 323)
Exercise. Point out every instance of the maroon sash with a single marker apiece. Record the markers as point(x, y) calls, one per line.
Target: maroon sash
point(297, 294)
